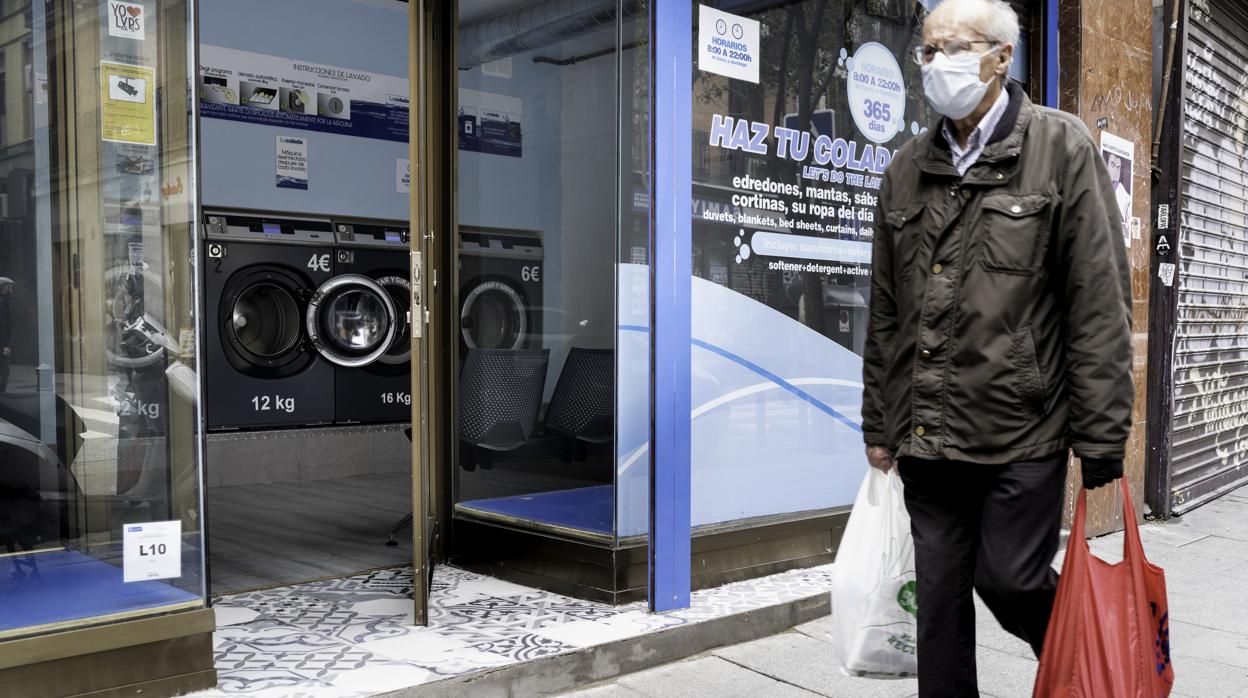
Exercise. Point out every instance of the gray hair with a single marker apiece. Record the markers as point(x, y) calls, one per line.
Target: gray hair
point(995, 19)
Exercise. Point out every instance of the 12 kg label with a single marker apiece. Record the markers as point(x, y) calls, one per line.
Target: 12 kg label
point(274, 403)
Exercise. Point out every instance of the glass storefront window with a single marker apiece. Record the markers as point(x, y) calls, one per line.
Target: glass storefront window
point(782, 249)
point(540, 133)
point(100, 514)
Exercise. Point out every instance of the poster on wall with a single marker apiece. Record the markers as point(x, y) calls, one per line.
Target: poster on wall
point(271, 90)
point(1119, 155)
point(127, 103)
point(490, 123)
point(292, 162)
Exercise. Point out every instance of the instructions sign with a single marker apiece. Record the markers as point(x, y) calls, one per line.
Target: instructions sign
point(292, 162)
point(261, 89)
point(152, 551)
point(127, 103)
point(728, 44)
point(877, 92)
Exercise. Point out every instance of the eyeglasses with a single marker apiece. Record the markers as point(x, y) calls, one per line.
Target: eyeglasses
point(927, 52)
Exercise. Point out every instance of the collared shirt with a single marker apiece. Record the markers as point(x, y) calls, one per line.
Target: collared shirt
point(963, 158)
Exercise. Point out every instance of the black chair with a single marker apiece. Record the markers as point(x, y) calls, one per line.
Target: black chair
point(582, 407)
point(500, 394)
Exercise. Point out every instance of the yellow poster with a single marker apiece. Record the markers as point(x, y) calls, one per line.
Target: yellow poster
point(127, 103)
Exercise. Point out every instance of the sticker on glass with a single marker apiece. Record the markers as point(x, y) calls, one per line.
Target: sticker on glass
point(126, 20)
point(877, 92)
point(152, 550)
point(728, 44)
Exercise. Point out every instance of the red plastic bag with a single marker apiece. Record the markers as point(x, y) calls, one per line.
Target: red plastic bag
point(1109, 635)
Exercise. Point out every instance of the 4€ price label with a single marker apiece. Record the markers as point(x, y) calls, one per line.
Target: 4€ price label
point(152, 550)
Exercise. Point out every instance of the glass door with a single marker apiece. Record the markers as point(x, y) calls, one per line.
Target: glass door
point(427, 56)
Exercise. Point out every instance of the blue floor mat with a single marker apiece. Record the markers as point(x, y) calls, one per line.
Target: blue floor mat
point(64, 585)
point(590, 509)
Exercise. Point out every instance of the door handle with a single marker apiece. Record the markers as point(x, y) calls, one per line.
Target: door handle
point(417, 311)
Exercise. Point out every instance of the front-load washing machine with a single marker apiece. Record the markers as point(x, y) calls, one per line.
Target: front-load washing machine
point(279, 319)
point(500, 289)
point(379, 390)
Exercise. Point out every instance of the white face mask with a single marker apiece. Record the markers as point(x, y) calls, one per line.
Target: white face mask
point(952, 85)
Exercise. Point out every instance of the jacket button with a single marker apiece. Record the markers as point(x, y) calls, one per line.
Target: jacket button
point(936, 268)
point(925, 354)
point(919, 430)
point(1000, 176)
point(1016, 209)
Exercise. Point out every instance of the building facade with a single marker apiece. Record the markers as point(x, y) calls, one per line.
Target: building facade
point(299, 278)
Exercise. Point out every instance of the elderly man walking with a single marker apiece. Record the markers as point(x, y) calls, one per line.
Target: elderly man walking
point(999, 338)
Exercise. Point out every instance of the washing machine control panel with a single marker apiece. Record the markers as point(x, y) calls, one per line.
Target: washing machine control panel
point(367, 235)
point(268, 229)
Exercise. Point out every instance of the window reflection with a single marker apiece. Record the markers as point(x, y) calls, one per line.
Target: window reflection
point(97, 367)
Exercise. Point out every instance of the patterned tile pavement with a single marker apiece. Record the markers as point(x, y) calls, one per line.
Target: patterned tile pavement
point(354, 637)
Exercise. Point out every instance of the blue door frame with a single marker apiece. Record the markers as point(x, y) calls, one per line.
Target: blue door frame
point(671, 231)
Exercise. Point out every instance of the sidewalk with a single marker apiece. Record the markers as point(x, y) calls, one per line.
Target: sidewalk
point(1205, 555)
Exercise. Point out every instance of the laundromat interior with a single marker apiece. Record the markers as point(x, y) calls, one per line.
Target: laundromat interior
point(310, 329)
point(424, 256)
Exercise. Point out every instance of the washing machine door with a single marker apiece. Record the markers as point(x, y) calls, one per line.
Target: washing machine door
point(351, 320)
point(399, 289)
point(493, 316)
point(261, 326)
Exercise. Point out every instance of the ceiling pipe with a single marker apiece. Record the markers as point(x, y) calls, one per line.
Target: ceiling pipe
point(537, 26)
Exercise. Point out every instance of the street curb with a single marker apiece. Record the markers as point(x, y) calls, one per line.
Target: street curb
point(565, 672)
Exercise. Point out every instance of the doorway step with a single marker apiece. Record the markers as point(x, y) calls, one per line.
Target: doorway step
point(353, 636)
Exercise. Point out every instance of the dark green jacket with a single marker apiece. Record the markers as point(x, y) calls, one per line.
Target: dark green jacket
point(1000, 325)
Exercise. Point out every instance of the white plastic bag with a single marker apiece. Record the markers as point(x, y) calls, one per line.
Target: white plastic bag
point(873, 589)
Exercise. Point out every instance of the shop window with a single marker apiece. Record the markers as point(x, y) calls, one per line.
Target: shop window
point(99, 489)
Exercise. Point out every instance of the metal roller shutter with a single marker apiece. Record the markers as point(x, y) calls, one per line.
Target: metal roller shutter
point(1209, 453)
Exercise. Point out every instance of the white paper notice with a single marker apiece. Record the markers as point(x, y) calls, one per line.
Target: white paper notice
point(1165, 271)
point(727, 44)
point(152, 551)
point(292, 162)
point(403, 176)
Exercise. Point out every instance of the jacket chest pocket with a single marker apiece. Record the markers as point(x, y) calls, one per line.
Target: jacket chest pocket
point(905, 227)
point(1014, 230)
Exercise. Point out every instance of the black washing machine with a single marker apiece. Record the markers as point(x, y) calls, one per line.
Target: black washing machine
point(379, 390)
point(279, 319)
point(500, 290)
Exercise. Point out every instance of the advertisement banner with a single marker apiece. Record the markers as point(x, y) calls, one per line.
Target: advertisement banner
point(274, 91)
point(490, 123)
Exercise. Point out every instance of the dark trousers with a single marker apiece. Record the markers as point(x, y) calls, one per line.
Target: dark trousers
point(993, 528)
point(4, 373)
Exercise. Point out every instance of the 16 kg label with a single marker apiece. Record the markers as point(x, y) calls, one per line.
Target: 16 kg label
point(396, 398)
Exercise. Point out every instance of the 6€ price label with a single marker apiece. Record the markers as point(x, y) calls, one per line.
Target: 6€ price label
point(152, 550)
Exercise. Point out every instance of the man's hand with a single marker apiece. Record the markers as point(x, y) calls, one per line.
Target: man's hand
point(880, 458)
point(1098, 472)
